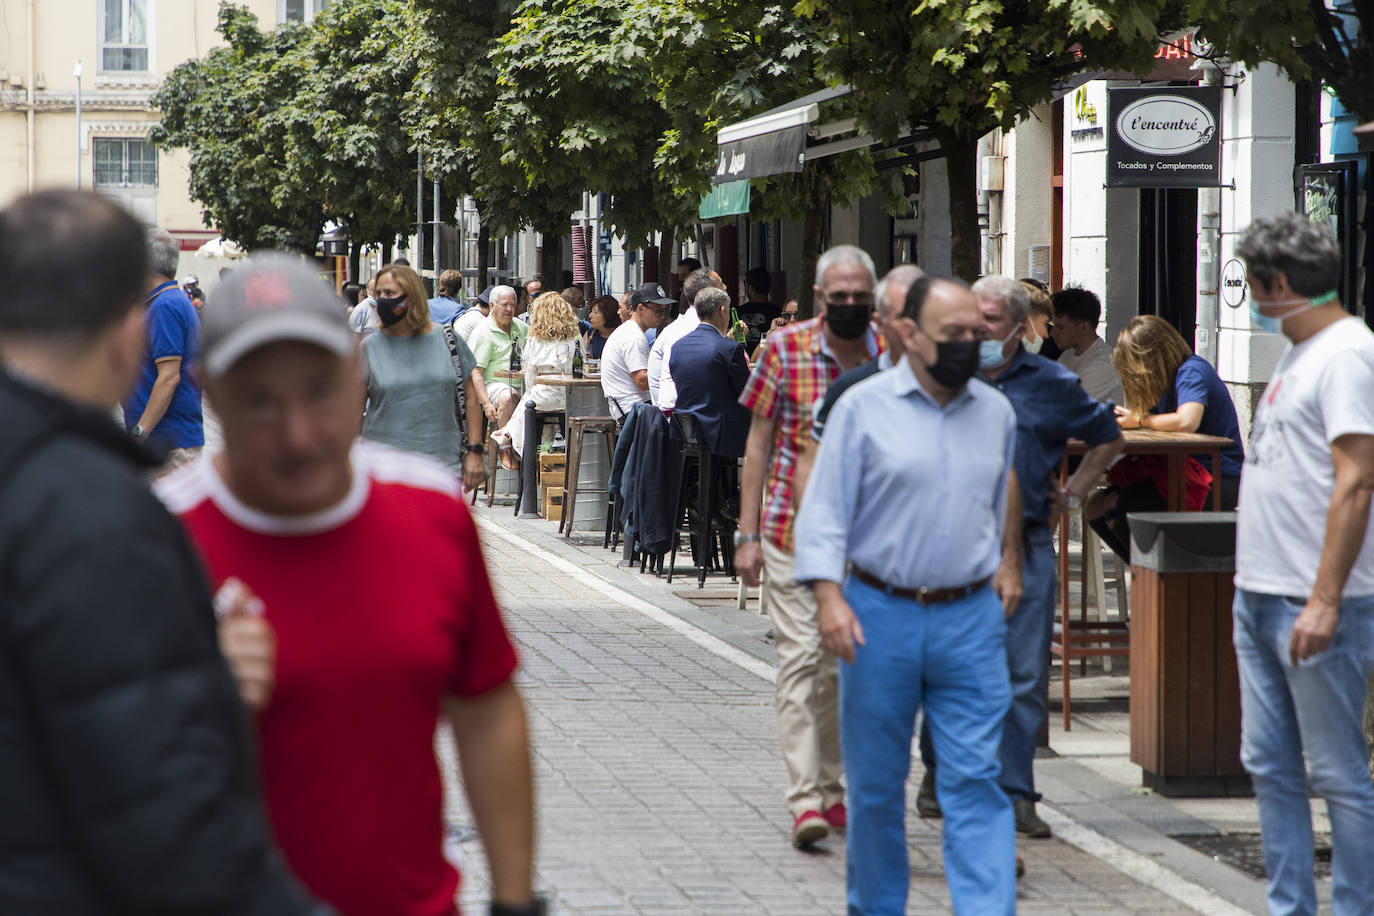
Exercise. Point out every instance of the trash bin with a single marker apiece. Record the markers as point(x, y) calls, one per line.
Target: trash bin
point(1185, 689)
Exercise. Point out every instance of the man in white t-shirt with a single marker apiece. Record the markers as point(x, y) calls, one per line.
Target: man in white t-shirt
point(1304, 608)
point(625, 359)
point(1077, 312)
point(662, 390)
point(470, 319)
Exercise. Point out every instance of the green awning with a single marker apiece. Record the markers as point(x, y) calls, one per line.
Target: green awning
point(726, 199)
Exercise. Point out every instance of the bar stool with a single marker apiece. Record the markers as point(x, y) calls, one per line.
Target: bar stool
point(706, 535)
point(577, 428)
point(543, 419)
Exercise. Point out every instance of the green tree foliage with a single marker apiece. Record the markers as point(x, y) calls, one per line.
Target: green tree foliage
point(346, 120)
point(965, 67)
point(1304, 37)
point(230, 111)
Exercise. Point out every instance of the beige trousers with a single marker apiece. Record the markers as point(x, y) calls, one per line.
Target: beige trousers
point(807, 690)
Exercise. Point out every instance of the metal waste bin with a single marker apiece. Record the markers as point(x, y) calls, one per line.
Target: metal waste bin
point(1185, 689)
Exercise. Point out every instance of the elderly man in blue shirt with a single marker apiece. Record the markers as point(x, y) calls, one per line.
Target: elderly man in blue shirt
point(901, 536)
point(1051, 407)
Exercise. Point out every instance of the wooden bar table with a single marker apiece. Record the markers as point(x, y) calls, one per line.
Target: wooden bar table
point(1082, 640)
point(585, 399)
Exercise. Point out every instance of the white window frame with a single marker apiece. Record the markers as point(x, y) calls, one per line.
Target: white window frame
point(124, 184)
point(311, 8)
point(150, 20)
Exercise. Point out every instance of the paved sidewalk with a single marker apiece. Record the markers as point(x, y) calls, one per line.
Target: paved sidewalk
point(660, 782)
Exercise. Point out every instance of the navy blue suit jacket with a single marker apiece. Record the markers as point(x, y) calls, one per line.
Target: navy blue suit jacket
point(710, 371)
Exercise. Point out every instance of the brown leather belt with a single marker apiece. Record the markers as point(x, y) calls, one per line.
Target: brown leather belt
point(922, 595)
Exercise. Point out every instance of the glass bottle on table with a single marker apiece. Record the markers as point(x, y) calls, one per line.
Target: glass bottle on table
point(577, 366)
point(515, 366)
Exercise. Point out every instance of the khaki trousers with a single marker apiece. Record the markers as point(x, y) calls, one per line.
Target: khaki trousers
point(807, 690)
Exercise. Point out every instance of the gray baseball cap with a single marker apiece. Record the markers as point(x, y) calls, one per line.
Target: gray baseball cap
point(270, 298)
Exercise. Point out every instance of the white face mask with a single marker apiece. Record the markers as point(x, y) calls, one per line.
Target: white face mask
point(1034, 343)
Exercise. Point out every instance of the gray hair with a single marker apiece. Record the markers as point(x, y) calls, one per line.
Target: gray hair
point(844, 254)
point(1009, 292)
point(500, 292)
point(898, 280)
point(710, 301)
point(1303, 251)
point(164, 253)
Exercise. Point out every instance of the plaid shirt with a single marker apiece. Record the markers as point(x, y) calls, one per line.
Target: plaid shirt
point(794, 370)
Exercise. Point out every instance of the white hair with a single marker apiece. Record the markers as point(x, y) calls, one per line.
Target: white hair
point(500, 292)
point(1008, 291)
point(164, 253)
point(898, 278)
point(844, 254)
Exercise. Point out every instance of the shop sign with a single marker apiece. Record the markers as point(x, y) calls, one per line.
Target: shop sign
point(773, 153)
point(1233, 288)
point(1326, 193)
point(1164, 138)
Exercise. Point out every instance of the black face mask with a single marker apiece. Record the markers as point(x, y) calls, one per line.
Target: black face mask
point(391, 311)
point(848, 322)
point(955, 362)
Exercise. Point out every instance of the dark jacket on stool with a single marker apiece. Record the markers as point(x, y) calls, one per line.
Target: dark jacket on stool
point(710, 371)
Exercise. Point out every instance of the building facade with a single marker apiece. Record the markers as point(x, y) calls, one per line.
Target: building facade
point(109, 56)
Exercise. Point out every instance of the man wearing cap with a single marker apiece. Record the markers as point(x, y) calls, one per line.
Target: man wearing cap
point(369, 573)
point(625, 359)
point(129, 782)
point(470, 318)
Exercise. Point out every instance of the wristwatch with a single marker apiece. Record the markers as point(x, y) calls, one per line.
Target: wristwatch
point(476, 448)
point(138, 432)
point(742, 538)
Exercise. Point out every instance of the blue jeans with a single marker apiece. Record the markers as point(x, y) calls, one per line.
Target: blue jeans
point(952, 659)
point(1028, 663)
point(1312, 711)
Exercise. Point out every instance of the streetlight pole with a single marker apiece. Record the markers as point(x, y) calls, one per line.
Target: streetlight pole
point(77, 73)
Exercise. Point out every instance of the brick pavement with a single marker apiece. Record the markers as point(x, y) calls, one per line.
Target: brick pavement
point(660, 783)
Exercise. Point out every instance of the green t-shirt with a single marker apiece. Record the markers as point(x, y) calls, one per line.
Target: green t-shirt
point(491, 346)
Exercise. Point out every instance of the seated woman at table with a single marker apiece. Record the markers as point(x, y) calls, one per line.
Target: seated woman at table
point(604, 316)
point(1168, 389)
point(548, 350)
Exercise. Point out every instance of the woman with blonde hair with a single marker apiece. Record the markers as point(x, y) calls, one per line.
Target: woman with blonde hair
point(549, 350)
point(414, 399)
point(1166, 388)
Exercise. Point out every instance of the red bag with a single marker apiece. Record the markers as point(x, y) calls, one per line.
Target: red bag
point(1155, 468)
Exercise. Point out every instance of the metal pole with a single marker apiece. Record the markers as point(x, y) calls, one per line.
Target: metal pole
point(436, 237)
point(1209, 251)
point(77, 73)
point(419, 212)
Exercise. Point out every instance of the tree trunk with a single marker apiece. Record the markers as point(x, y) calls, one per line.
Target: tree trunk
point(811, 251)
point(355, 257)
point(667, 263)
point(551, 259)
point(386, 253)
point(961, 169)
point(483, 246)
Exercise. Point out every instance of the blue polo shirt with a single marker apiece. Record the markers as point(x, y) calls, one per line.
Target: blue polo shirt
point(173, 329)
point(442, 309)
point(1051, 407)
point(1197, 382)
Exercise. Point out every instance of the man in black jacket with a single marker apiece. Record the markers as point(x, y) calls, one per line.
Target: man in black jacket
point(127, 776)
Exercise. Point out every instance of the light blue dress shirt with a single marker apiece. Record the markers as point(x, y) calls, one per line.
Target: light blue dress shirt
point(908, 491)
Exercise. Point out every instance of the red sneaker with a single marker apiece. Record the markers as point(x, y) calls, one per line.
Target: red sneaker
point(837, 817)
point(808, 828)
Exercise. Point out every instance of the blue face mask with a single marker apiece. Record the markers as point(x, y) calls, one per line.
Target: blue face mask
point(990, 351)
point(1273, 324)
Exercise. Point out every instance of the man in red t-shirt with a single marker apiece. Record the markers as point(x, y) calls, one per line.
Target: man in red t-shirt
point(376, 613)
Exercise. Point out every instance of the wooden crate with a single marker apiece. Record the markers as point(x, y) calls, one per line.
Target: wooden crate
point(553, 461)
point(553, 504)
point(551, 478)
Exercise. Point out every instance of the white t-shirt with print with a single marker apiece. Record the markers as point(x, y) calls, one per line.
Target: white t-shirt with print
point(1322, 389)
point(626, 352)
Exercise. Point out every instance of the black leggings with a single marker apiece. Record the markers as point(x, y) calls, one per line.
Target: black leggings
point(1144, 496)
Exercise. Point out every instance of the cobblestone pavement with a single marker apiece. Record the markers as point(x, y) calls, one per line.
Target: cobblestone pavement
point(660, 783)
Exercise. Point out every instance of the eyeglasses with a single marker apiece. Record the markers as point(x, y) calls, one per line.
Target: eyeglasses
point(788, 316)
